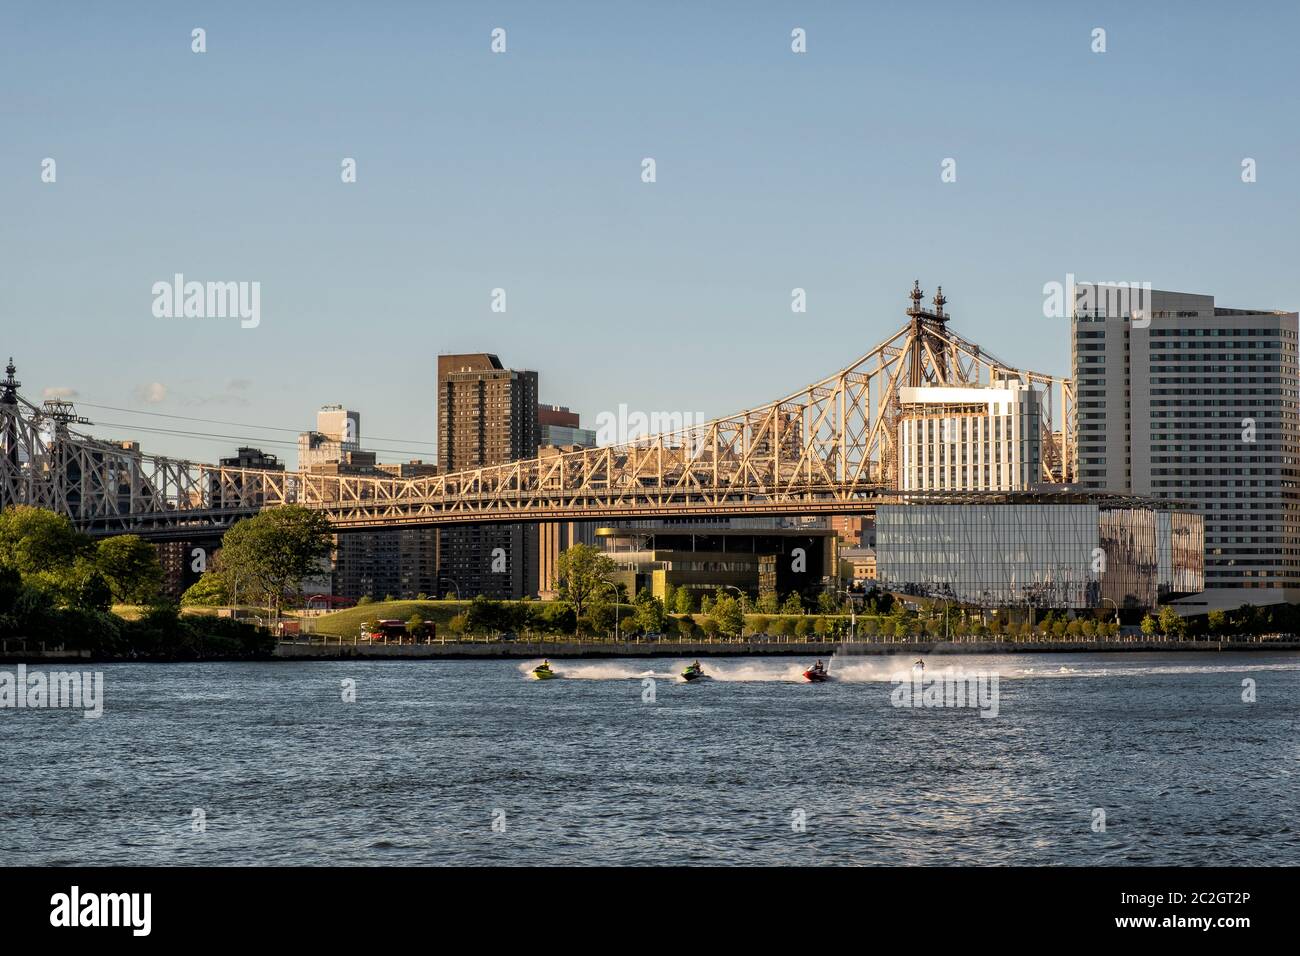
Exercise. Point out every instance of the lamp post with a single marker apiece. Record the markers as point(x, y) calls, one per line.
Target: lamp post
point(1116, 607)
point(743, 597)
point(614, 588)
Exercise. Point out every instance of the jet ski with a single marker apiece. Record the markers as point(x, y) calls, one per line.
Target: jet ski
point(543, 671)
point(816, 674)
point(693, 672)
point(919, 666)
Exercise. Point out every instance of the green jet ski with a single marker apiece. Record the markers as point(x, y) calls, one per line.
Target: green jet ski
point(694, 672)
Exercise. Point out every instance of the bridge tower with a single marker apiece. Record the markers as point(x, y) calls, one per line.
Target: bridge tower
point(9, 398)
point(928, 337)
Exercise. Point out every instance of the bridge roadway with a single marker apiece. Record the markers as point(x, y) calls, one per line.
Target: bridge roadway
point(347, 516)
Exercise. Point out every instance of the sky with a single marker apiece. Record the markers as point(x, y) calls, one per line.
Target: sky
point(523, 171)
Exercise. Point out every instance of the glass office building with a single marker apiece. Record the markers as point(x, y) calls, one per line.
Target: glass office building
point(1051, 550)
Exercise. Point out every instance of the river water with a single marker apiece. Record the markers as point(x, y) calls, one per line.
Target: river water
point(620, 762)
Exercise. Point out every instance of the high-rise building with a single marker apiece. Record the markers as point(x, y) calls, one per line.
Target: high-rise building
point(227, 488)
point(336, 438)
point(969, 438)
point(487, 415)
point(556, 425)
point(397, 562)
point(1184, 400)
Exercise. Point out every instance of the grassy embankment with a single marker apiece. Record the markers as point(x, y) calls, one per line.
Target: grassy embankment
point(347, 623)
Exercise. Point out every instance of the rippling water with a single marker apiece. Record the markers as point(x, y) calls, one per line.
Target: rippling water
point(582, 770)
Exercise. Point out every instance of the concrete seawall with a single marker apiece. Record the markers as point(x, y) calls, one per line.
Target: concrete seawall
point(560, 650)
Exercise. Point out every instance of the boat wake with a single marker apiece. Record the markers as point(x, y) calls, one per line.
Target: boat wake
point(860, 669)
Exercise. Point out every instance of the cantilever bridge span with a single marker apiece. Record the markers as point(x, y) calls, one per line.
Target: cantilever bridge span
point(828, 448)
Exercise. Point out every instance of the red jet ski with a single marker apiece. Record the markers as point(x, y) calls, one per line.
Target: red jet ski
point(816, 674)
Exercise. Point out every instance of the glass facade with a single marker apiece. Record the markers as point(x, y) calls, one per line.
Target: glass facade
point(1051, 555)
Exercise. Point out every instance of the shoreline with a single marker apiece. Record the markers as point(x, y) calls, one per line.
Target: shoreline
point(576, 651)
point(289, 652)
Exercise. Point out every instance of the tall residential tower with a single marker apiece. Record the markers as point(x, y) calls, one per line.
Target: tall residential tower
point(487, 415)
point(1184, 400)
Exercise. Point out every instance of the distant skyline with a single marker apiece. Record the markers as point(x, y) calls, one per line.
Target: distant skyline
point(522, 171)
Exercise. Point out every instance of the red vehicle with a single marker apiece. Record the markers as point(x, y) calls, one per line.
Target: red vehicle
point(385, 630)
point(816, 674)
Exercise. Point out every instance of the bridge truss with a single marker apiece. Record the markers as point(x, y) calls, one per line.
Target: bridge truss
point(828, 448)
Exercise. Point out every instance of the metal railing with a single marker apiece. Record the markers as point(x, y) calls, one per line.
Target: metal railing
point(1037, 640)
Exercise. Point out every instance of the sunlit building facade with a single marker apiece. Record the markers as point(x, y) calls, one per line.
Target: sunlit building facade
point(1055, 550)
point(969, 438)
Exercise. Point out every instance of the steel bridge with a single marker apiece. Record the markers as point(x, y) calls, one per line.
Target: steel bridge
point(828, 448)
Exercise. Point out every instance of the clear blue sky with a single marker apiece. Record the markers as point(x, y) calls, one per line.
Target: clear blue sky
point(522, 171)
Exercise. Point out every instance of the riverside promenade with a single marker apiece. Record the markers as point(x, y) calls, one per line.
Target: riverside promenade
point(333, 648)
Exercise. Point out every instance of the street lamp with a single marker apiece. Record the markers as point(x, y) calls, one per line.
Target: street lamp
point(234, 597)
point(453, 584)
point(743, 598)
point(1116, 607)
point(614, 587)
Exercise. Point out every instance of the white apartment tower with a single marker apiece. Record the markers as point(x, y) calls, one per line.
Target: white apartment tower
point(969, 438)
point(338, 432)
point(1196, 403)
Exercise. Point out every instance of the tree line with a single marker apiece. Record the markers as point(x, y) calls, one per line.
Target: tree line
point(58, 587)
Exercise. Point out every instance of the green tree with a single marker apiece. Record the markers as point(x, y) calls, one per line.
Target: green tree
point(602, 616)
point(1216, 622)
point(274, 550)
point(803, 626)
point(485, 614)
point(793, 604)
point(1171, 622)
point(649, 613)
point(209, 590)
point(36, 542)
point(582, 573)
point(729, 616)
point(710, 626)
point(557, 617)
point(11, 585)
point(768, 603)
point(1149, 625)
point(684, 601)
point(94, 592)
point(131, 566)
point(759, 624)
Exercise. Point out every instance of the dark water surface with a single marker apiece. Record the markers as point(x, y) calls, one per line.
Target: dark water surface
point(582, 770)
